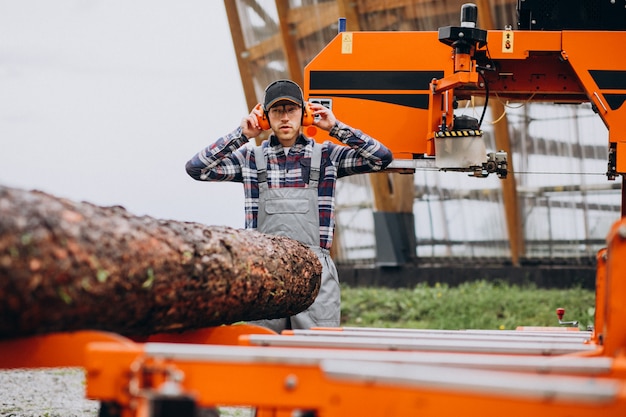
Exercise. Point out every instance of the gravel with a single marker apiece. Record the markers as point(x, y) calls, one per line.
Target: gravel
point(57, 392)
point(53, 392)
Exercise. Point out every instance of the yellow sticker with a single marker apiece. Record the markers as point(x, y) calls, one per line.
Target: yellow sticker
point(346, 43)
point(507, 41)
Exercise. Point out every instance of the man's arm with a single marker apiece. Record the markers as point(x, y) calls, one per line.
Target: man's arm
point(361, 155)
point(220, 161)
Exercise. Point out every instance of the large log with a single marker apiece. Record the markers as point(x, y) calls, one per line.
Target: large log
point(66, 266)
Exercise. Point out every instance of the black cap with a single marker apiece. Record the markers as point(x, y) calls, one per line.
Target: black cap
point(282, 90)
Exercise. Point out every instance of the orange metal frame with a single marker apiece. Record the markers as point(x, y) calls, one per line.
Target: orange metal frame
point(334, 372)
point(366, 81)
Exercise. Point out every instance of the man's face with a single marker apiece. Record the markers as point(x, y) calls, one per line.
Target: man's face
point(285, 119)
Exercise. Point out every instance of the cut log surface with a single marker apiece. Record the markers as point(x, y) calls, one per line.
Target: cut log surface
point(68, 265)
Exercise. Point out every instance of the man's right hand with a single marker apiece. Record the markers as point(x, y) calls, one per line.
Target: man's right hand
point(250, 124)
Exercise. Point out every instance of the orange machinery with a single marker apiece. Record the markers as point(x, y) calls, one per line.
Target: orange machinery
point(410, 80)
point(402, 87)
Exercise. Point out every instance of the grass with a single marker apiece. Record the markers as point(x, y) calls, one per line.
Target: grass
point(472, 305)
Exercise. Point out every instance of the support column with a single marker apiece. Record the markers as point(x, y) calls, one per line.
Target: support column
point(503, 142)
point(290, 47)
point(240, 48)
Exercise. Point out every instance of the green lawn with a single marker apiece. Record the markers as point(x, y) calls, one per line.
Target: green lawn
point(475, 305)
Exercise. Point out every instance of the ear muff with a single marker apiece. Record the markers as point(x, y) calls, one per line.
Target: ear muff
point(263, 122)
point(307, 115)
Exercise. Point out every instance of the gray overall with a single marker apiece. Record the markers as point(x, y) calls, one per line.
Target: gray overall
point(293, 212)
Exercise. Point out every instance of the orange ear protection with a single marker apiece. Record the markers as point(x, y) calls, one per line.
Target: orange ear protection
point(307, 116)
point(264, 123)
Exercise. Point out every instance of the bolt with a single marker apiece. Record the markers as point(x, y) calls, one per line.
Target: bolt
point(291, 382)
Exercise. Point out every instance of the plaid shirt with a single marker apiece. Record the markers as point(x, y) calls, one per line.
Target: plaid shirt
point(229, 159)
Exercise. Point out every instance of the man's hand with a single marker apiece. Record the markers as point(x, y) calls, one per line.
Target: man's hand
point(250, 124)
point(326, 119)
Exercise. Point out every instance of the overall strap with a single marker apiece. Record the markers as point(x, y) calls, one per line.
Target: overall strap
point(316, 165)
point(316, 162)
point(261, 164)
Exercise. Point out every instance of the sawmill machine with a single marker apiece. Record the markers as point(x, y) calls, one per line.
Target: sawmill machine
point(403, 87)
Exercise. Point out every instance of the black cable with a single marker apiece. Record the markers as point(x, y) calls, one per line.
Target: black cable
point(480, 123)
point(520, 172)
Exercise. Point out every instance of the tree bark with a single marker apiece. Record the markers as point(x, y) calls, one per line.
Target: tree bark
point(67, 266)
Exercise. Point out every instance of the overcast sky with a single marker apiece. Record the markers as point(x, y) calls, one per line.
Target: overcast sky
point(105, 100)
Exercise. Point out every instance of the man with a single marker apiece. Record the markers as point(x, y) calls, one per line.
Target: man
point(289, 182)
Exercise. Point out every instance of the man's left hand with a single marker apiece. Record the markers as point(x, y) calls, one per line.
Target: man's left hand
point(325, 118)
